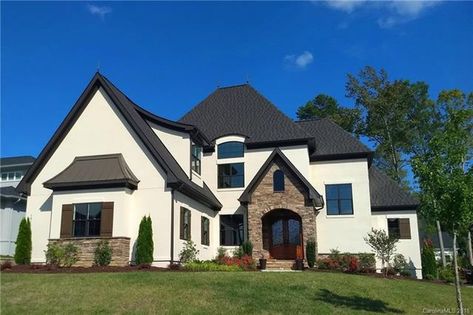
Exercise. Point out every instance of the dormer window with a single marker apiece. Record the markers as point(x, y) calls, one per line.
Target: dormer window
point(195, 156)
point(278, 181)
point(231, 149)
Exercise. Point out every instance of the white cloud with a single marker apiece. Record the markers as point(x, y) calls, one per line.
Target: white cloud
point(391, 12)
point(345, 5)
point(99, 10)
point(299, 61)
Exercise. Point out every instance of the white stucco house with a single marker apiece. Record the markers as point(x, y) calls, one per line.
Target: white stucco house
point(234, 168)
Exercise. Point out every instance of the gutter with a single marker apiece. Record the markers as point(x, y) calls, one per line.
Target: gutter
point(172, 227)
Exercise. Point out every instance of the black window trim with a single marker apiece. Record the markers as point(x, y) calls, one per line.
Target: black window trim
point(87, 220)
point(231, 157)
point(196, 159)
point(185, 212)
point(230, 176)
point(339, 199)
point(238, 240)
point(283, 181)
point(205, 238)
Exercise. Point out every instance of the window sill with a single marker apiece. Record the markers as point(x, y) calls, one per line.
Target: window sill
point(339, 216)
point(231, 189)
point(194, 173)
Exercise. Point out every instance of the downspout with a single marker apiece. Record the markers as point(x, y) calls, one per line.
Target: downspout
point(172, 226)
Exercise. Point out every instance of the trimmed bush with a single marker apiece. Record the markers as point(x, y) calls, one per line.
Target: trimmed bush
point(144, 243)
point(103, 254)
point(446, 274)
point(62, 255)
point(23, 243)
point(400, 265)
point(367, 262)
point(188, 253)
point(238, 252)
point(429, 265)
point(247, 248)
point(310, 252)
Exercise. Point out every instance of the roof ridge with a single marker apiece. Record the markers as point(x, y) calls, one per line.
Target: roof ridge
point(233, 86)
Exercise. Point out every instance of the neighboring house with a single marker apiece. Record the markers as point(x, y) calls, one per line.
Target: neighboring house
point(234, 168)
point(12, 206)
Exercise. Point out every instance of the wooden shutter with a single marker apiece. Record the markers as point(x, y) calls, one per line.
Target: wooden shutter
point(106, 219)
point(202, 231)
point(189, 229)
point(181, 224)
point(66, 220)
point(404, 229)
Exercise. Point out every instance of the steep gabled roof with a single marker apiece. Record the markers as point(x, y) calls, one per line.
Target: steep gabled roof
point(16, 161)
point(96, 171)
point(332, 141)
point(176, 177)
point(277, 153)
point(387, 195)
point(242, 110)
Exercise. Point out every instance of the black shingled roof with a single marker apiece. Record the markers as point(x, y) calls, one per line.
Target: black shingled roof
point(386, 194)
point(94, 171)
point(242, 110)
point(9, 192)
point(16, 160)
point(332, 141)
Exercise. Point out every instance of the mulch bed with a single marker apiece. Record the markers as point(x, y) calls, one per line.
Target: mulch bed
point(93, 269)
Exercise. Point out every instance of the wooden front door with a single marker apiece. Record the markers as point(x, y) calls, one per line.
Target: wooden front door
point(285, 235)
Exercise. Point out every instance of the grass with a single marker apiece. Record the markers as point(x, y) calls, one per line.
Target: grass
point(220, 292)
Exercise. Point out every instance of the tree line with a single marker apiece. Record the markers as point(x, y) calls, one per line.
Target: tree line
point(409, 129)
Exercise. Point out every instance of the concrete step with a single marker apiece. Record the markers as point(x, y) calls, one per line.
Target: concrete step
point(276, 264)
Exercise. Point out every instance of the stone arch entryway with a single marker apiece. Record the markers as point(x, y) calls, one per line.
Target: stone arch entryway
point(282, 234)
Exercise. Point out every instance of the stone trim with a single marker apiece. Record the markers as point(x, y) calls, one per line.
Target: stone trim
point(120, 249)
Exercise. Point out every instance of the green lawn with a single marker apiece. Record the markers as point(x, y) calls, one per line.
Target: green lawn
point(214, 292)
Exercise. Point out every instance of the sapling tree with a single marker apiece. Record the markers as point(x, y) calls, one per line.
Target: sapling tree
point(23, 243)
point(383, 246)
point(444, 171)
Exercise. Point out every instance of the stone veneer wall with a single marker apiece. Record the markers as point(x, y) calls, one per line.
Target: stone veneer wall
point(263, 200)
point(120, 249)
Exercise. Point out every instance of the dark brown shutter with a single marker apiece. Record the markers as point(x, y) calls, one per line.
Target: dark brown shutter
point(66, 220)
point(404, 229)
point(181, 224)
point(202, 237)
point(190, 221)
point(106, 219)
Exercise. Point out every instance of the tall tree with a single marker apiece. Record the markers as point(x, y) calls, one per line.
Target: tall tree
point(445, 173)
point(390, 111)
point(325, 106)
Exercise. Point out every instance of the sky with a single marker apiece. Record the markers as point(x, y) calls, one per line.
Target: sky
point(168, 56)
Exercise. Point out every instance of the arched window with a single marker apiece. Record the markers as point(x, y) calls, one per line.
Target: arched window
point(231, 149)
point(278, 180)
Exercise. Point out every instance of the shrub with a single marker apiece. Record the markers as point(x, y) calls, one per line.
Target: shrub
point(245, 262)
point(310, 252)
point(328, 263)
point(174, 266)
point(367, 263)
point(247, 248)
point(6, 265)
point(210, 266)
point(383, 245)
point(238, 252)
point(353, 265)
point(103, 254)
point(446, 274)
point(322, 263)
point(144, 243)
point(23, 243)
point(62, 255)
point(429, 265)
point(221, 252)
point(429, 277)
point(405, 273)
point(389, 271)
point(188, 253)
point(400, 264)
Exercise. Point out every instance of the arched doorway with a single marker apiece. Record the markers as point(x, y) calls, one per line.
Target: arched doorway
point(282, 234)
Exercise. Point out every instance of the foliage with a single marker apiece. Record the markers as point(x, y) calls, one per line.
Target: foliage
point(62, 255)
point(6, 265)
point(221, 252)
point(188, 253)
point(367, 262)
point(210, 266)
point(400, 264)
point(245, 262)
point(103, 254)
point(325, 106)
point(238, 252)
point(23, 243)
point(247, 248)
point(446, 274)
point(352, 264)
point(144, 242)
point(393, 116)
point(310, 252)
point(429, 264)
point(382, 244)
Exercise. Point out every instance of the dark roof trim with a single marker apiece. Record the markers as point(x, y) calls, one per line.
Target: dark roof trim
point(279, 143)
point(343, 156)
point(313, 194)
point(190, 191)
point(175, 174)
point(16, 161)
point(9, 192)
point(91, 185)
point(195, 133)
point(394, 208)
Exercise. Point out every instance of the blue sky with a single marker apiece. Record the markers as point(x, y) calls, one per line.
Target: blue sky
point(168, 56)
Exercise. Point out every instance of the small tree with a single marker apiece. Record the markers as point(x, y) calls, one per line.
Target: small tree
point(188, 253)
point(144, 243)
point(383, 245)
point(247, 248)
point(429, 265)
point(23, 243)
point(310, 252)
